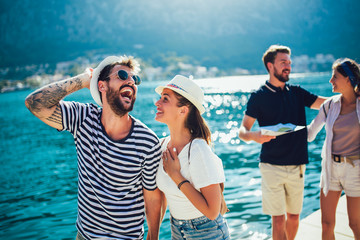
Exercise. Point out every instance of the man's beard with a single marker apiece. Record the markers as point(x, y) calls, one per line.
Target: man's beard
point(280, 77)
point(116, 105)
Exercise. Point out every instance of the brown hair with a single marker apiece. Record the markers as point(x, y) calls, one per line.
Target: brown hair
point(353, 67)
point(194, 122)
point(127, 61)
point(272, 51)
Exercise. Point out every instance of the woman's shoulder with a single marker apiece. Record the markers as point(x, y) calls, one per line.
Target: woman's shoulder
point(330, 100)
point(334, 98)
point(199, 142)
point(202, 152)
point(200, 146)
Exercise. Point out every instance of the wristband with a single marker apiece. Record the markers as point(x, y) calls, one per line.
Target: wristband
point(180, 184)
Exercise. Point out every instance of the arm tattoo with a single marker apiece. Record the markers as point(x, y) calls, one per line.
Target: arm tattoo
point(50, 95)
point(56, 117)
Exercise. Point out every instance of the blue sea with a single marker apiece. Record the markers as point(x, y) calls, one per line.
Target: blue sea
point(38, 183)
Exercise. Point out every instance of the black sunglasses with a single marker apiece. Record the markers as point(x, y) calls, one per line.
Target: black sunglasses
point(123, 75)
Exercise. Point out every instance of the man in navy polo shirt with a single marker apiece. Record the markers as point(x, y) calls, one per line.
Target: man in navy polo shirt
point(282, 158)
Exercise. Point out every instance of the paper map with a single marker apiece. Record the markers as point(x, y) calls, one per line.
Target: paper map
point(280, 129)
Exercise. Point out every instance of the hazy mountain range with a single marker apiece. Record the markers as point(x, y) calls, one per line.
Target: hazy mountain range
point(220, 33)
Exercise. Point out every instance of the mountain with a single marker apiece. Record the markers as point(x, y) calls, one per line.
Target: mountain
point(225, 34)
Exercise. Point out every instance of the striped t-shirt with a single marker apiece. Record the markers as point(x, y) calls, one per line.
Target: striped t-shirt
point(111, 173)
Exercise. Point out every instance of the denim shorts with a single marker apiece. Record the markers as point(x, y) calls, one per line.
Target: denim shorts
point(199, 228)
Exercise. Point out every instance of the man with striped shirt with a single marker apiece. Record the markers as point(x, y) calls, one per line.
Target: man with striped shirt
point(118, 155)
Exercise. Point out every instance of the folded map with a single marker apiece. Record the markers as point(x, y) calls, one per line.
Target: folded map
point(280, 129)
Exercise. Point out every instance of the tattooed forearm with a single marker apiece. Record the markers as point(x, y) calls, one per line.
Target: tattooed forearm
point(56, 116)
point(77, 83)
point(44, 102)
point(51, 95)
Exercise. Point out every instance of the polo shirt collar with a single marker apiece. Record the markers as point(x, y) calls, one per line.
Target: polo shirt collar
point(274, 89)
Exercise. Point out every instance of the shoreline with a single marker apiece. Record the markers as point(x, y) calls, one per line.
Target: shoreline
point(207, 82)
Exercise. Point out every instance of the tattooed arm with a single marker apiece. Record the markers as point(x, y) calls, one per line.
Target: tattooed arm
point(44, 102)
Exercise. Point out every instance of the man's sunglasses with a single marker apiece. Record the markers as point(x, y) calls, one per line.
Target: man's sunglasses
point(123, 75)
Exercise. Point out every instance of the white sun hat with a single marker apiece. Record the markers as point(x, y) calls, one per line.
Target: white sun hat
point(94, 87)
point(186, 88)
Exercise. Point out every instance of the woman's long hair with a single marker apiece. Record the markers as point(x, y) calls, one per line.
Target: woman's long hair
point(194, 122)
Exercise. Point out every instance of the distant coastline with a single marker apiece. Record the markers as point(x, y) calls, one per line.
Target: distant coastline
point(33, 76)
point(18, 87)
point(37, 81)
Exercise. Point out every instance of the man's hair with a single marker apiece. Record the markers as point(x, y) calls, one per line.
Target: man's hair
point(272, 51)
point(353, 67)
point(127, 61)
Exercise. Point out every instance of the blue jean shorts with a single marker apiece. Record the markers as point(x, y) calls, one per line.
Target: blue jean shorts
point(200, 228)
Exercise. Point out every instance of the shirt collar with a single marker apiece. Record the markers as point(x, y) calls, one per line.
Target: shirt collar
point(276, 89)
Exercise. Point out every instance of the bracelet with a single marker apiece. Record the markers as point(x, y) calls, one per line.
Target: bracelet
point(180, 184)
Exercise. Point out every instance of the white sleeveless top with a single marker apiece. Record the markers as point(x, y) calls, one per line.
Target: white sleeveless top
point(202, 169)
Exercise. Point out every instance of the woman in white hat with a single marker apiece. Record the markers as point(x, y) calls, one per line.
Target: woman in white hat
point(191, 176)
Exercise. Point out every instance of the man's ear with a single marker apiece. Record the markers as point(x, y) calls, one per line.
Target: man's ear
point(270, 66)
point(102, 86)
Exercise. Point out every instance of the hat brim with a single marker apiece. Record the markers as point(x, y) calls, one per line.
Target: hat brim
point(200, 107)
point(94, 88)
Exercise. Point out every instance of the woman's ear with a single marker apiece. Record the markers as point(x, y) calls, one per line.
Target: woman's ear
point(184, 110)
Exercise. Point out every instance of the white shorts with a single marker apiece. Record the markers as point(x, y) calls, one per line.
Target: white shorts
point(282, 188)
point(345, 176)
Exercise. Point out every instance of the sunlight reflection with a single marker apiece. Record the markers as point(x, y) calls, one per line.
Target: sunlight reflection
point(258, 236)
point(242, 83)
point(240, 148)
point(230, 124)
point(226, 137)
point(256, 193)
point(254, 181)
point(244, 227)
point(233, 83)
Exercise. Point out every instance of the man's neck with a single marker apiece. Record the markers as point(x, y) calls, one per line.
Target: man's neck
point(115, 126)
point(276, 82)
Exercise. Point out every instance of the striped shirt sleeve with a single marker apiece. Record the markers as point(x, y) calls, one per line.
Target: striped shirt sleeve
point(73, 114)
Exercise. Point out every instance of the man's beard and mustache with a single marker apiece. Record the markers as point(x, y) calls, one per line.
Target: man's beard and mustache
point(280, 77)
point(116, 105)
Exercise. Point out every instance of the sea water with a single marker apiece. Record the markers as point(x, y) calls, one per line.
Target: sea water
point(38, 173)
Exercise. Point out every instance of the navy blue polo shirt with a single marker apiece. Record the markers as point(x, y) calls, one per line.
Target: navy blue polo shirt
point(271, 105)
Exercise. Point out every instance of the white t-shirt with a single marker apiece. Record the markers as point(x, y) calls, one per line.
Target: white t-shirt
point(202, 169)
